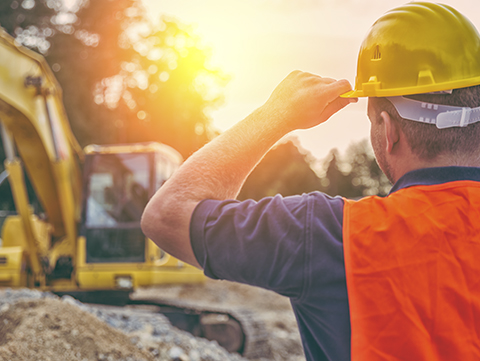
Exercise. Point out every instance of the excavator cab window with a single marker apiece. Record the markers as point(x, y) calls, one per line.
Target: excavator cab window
point(164, 168)
point(118, 187)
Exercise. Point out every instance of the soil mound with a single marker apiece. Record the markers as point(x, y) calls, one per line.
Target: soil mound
point(39, 326)
point(49, 329)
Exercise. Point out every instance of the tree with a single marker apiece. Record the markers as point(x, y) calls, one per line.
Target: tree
point(124, 78)
point(287, 170)
point(168, 88)
point(366, 175)
point(356, 174)
point(338, 182)
point(284, 170)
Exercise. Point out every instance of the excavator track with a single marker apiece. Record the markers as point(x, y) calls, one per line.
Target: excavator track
point(235, 329)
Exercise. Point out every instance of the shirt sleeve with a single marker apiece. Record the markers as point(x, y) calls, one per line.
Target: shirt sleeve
point(265, 243)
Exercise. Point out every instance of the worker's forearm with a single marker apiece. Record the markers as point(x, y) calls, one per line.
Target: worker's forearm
point(218, 170)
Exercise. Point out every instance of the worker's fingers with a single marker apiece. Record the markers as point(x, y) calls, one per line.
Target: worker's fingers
point(328, 80)
point(300, 100)
point(335, 89)
point(329, 101)
point(333, 107)
point(317, 79)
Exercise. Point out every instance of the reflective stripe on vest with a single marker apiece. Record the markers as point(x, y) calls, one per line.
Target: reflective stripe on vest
point(412, 264)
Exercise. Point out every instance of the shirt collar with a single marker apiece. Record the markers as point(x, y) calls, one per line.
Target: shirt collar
point(431, 176)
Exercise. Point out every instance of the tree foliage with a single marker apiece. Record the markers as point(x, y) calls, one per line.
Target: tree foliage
point(365, 174)
point(284, 170)
point(168, 78)
point(124, 78)
point(356, 174)
point(337, 182)
point(287, 170)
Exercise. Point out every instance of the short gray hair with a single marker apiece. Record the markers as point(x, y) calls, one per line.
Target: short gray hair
point(426, 140)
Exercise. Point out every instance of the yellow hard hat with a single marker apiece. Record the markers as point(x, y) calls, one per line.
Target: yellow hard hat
point(419, 47)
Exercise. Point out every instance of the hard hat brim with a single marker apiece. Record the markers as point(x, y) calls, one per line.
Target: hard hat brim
point(361, 93)
point(352, 94)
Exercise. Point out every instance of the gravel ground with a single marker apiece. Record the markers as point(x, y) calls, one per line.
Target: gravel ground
point(41, 326)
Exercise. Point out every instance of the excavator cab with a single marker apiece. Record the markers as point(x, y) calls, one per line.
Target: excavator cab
point(113, 253)
point(117, 189)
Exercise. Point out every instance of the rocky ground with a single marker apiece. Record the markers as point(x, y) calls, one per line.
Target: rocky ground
point(40, 326)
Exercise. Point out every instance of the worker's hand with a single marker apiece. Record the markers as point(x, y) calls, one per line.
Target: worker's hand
point(303, 100)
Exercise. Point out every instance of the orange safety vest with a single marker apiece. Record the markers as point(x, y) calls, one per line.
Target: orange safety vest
point(412, 264)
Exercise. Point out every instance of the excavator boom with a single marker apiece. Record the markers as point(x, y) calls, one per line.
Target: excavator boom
point(32, 114)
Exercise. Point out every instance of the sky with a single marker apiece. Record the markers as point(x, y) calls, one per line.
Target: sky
point(259, 42)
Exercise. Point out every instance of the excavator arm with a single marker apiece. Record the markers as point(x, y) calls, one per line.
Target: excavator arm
point(37, 137)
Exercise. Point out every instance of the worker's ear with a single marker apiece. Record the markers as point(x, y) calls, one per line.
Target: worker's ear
point(392, 133)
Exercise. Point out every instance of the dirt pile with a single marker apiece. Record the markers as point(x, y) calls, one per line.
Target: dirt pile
point(49, 329)
point(38, 326)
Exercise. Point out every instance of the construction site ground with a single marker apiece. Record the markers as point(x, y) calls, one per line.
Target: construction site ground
point(39, 326)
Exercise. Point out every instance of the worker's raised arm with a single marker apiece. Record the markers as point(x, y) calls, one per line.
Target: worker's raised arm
point(219, 169)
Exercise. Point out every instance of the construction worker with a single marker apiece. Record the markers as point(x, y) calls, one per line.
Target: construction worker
point(394, 278)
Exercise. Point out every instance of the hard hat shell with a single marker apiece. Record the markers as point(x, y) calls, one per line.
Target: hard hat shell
point(419, 47)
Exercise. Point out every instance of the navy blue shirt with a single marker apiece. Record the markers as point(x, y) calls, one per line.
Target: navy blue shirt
point(293, 246)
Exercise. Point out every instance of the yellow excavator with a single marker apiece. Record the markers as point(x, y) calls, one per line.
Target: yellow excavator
point(83, 238)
